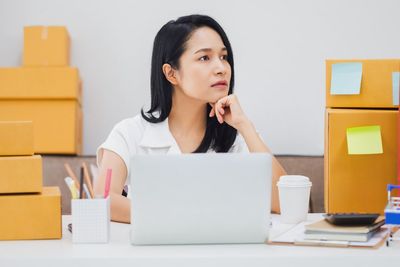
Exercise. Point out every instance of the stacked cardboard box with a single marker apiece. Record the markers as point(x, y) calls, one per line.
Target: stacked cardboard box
point(355, 181)
point(28, 210)
point(46, 91)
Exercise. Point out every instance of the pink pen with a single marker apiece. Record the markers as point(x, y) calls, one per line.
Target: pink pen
point(108, 183)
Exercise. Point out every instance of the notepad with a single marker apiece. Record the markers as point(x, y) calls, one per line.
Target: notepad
point(296, 236)
point(346, 78)
point(364, 140)
point(323, 230)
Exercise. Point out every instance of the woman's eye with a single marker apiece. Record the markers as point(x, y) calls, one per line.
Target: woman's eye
point(224, 57)
point(204, 58)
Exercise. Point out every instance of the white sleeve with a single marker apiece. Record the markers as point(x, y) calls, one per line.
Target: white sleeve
point(118, 142)
point(239, 146)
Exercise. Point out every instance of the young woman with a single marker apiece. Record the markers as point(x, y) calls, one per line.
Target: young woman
point(193, 108)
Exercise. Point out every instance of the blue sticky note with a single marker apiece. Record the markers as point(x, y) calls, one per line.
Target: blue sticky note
point(395, 88)
point(346, 78)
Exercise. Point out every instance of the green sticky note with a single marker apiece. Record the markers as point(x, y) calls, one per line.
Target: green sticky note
point(364, 140)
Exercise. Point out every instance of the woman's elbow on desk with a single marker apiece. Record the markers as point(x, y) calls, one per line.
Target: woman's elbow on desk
point(119, 205)
point(120, 208)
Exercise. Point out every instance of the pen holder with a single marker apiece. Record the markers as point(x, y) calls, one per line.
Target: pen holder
point(91, 220)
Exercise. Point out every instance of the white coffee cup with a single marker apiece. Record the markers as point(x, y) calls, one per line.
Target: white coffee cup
point(294, 196)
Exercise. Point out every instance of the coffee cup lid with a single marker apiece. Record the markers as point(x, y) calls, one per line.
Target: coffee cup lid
point(294, 181)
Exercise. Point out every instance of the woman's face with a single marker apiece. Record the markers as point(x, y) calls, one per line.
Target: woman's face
point(204, 72)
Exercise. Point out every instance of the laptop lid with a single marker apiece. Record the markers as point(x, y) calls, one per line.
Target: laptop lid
point(200, 198)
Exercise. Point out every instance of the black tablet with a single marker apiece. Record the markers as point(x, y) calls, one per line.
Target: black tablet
point(351, 218)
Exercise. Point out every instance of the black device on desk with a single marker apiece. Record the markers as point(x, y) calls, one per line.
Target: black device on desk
point(351, 218)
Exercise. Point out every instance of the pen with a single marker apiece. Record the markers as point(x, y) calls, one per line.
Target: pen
point(87, 179)
point(73, 190)
point(71, 174)
point(81, 185)
point(71, 186)
point(323, 243)
point(108, 183)
point(86, 191)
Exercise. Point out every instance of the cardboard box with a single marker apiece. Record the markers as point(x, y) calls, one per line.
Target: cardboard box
point(31, 216)
point(357, 183)
point(21, 174)
point(57, 123)
point(376, 85)
point(46, 46)
point(40, 83)
point(16, 138)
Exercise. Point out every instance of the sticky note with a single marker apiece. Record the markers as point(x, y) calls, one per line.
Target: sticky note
point(395, 87)
point(364, 140)
point(346, 78)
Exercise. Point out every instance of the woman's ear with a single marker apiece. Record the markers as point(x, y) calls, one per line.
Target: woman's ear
point(169, 73)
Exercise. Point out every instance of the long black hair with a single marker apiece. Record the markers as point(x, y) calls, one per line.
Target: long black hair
point(169, 45)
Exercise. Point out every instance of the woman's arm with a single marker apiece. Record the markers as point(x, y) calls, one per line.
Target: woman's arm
point(228, 109)
point(120, 205)
point(255, 144)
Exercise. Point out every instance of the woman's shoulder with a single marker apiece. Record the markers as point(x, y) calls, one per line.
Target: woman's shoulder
point(132, 124)
point(130, 129)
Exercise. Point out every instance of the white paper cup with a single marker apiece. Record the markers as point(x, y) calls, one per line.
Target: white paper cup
point(294, 196)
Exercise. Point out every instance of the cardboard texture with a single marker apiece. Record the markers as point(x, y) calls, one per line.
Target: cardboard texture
point(16, 138)
point(376, 85)
point(357, 183)
point(57, 123)
point(21, 174)
point(40, 83)
point(46, 46)
point(31, 216)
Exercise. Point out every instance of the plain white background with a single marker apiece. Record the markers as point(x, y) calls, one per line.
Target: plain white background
point(279, 48)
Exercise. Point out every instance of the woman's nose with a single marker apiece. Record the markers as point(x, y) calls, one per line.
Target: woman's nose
point(220, 66)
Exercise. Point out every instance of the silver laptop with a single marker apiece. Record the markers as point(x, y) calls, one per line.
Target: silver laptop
point(200, 198)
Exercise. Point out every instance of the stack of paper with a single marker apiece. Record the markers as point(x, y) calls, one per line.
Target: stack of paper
point(295, 235)
point(323, 230)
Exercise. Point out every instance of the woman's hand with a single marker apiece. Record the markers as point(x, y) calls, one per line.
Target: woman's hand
point(228, 109)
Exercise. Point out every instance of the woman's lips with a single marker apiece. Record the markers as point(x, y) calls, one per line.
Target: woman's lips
point(220, 85)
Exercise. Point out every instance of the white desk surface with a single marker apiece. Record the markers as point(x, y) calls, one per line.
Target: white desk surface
point(119, 252)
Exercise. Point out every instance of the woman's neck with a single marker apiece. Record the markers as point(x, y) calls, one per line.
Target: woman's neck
point(187, 117)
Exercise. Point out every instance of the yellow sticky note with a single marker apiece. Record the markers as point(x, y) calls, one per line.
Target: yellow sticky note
point(364, 140)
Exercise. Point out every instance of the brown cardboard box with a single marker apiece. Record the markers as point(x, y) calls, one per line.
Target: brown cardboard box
point(21, 174)
point(31, 216)
point(40, 83)
point(376, 85)
point(357, 183)
point(57, 123)
point(16, 138)
point(46, 46)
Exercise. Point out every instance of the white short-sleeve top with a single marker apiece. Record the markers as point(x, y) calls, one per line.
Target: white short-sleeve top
point(137, 136)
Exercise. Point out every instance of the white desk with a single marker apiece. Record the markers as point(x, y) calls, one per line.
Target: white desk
point(120, 253)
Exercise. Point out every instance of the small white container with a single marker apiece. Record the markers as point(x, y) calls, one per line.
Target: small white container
point(294, 197)
point(90, 220)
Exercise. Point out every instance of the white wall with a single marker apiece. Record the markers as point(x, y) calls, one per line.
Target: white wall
point(279, 49)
